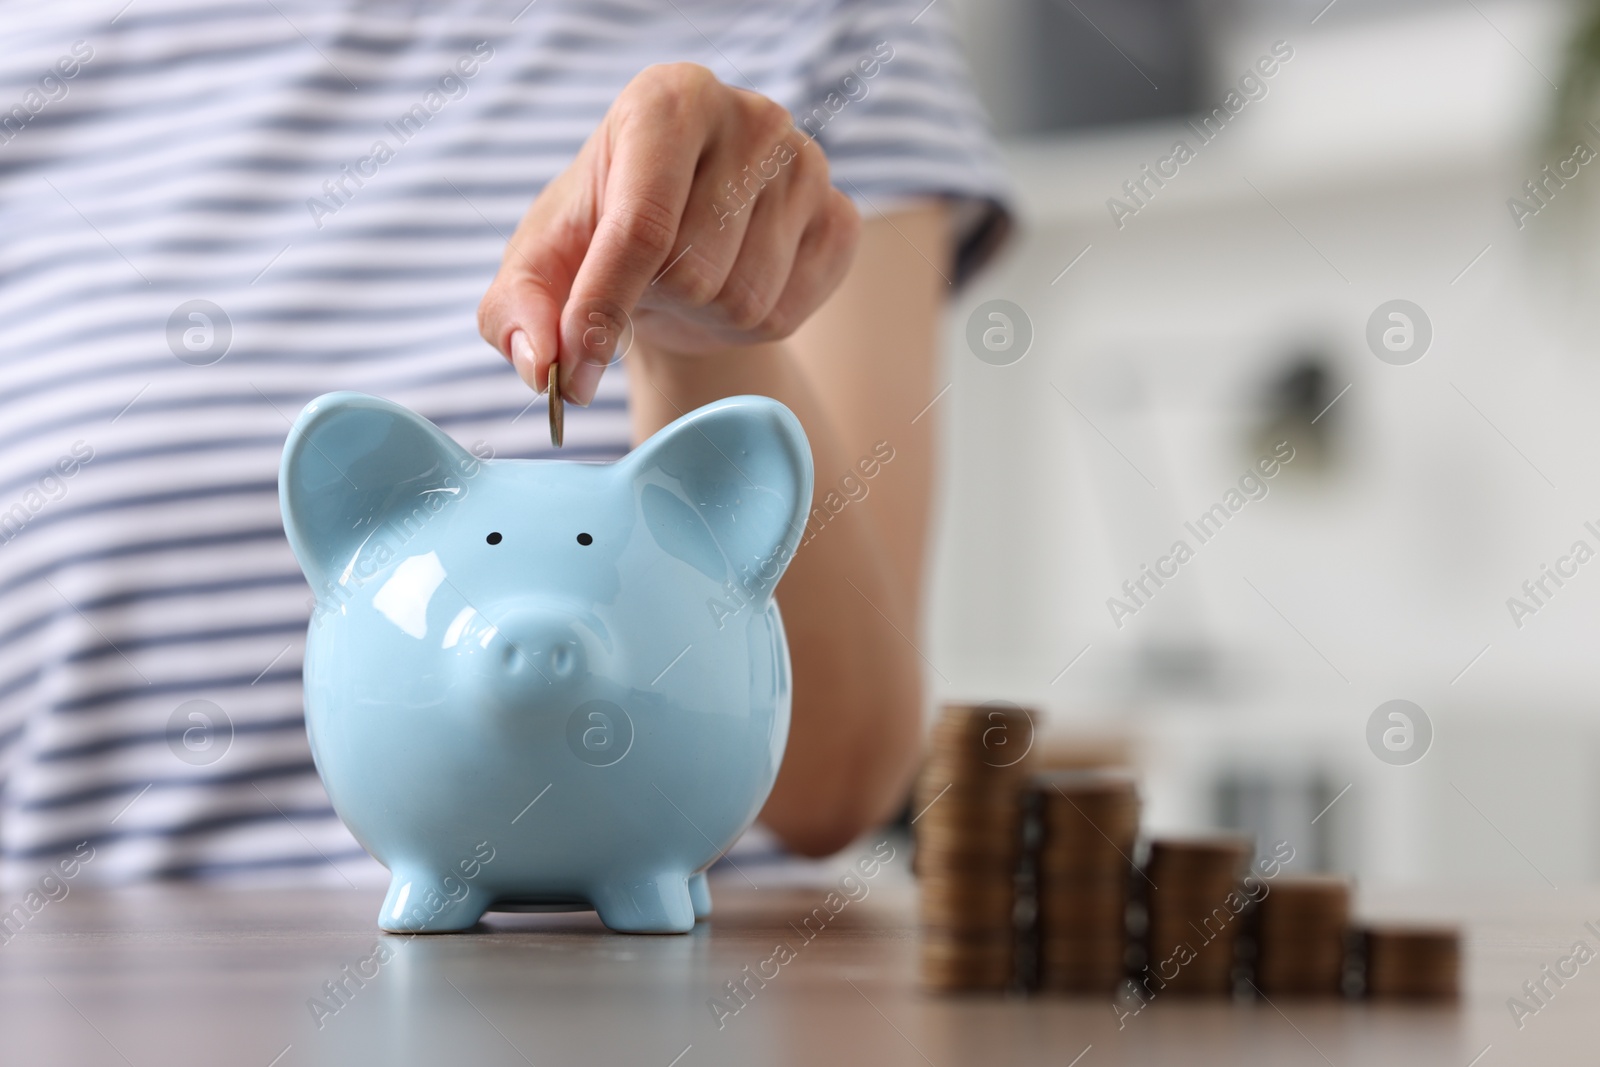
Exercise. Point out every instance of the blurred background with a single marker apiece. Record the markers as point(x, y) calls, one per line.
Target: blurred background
point(1175, 341)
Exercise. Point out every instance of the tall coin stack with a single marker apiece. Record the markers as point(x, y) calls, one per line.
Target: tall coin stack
point(968, 834)
point(1300, 930)
point(1191, 928)
point(1412, 962)
point(1087, 824)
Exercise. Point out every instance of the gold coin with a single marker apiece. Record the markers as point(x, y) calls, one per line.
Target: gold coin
point(1098, 979)
point(556, 413)
point(1413, 961)
point(942, 974)
point(1194, 858)
point(1293, 902)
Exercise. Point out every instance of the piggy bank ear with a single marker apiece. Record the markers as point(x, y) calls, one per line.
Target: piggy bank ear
point(354, 463)
point(726, 489)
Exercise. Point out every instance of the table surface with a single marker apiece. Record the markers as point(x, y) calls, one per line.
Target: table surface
point(172, 975)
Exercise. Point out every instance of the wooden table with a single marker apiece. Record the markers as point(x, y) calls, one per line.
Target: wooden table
point(169, 975)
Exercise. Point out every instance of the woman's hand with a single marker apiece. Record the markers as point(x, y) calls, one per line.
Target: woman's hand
point(696, 214)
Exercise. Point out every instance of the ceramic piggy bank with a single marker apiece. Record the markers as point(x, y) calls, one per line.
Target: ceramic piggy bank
point(543, 685)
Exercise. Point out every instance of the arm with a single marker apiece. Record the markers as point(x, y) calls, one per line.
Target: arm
point(851, 599)
point(641, 229)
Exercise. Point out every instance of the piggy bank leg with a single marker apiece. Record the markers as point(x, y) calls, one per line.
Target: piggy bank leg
point(654, 905)
point(419, 902)
point(700, 895)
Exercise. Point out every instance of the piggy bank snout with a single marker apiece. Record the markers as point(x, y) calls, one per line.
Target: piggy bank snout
point(534, 650)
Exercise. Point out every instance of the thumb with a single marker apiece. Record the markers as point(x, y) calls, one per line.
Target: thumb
point(520, 314)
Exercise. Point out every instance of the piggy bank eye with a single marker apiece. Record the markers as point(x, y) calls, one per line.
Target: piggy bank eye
point(494, 538)
point(585, 539)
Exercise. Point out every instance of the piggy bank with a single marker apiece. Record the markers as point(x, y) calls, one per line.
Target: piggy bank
point(538, 684)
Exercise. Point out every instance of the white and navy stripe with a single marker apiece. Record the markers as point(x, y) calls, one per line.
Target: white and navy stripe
point(183, 159)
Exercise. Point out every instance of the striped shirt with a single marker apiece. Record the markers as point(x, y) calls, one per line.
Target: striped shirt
point(213, 212)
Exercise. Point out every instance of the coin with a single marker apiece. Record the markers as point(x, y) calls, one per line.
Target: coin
point(1193, 910)
point(968, 834)
point(1083, 826)
point(1209, 859)
point(556, 412)
point(957, 904)
point(1314, 969)
point(1083, 964)
point(1412, 961)
point(963, 962)
point(1300, 936)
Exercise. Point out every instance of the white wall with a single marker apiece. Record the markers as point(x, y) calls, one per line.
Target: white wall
point(1387, 149)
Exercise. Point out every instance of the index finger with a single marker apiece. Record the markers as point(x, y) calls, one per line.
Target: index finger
point(655, 150)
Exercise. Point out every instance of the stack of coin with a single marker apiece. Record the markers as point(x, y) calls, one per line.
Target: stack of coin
point(968, 833)
point(1412, 962)
point(1300, 931)
point(1194, 904)
point(1088, 821)
point(1083, 751)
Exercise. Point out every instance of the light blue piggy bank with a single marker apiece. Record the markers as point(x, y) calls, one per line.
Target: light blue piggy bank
point(542, 685)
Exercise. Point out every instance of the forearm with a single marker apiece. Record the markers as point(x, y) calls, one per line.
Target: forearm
point(850, 620)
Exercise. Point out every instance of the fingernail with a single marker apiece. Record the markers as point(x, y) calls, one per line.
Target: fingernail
point(522, 359)
point(579, 381)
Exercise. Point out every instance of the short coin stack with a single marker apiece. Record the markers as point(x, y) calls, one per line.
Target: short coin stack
point(1300, 932)
point(1412, 962)
point(1193, 929)
point(1088, 822)
point(968, 839)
